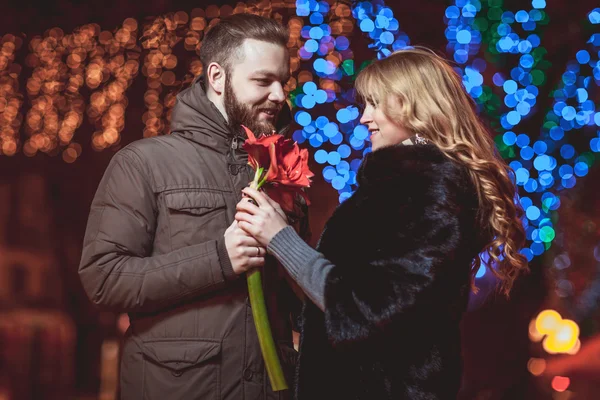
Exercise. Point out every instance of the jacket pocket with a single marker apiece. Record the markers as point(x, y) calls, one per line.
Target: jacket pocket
point(181, 369)
point(195, 216)
point(194, 202)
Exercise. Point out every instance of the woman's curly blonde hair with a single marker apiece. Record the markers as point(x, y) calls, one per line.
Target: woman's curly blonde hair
point(433, 103)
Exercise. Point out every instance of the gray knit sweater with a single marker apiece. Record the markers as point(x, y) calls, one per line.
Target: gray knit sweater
point(306, 266)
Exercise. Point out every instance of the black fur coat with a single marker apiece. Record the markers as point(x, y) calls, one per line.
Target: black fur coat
point(402, 247)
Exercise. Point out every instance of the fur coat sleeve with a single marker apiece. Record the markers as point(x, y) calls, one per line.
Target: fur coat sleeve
point(412, 225)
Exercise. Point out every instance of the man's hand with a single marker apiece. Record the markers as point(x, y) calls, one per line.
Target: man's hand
point(244, 251)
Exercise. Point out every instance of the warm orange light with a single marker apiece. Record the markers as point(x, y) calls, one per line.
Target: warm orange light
point(28, 149)
point(240, 8)
point(563, 339)
point(130, 24)
point(560, 383)
point(198, 24)
point(305, 76)
point(181, 18)
point(69, 155)
point(534, 335)
point(575, 349)
point(559, 335)
point(536, 366)
point(547, 321)
point(9, 148)
point(168, 78)
point(196, 67)
point(212, 11)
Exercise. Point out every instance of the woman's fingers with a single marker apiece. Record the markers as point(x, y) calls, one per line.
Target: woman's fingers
point(244, 216)
point(250, 229)
point(256, 195)
point(250, 241)
point(247, 206)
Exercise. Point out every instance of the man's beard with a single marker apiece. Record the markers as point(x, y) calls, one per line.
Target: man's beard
point(242, 114)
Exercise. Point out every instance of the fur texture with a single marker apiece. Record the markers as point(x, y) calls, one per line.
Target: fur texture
point(402, 246)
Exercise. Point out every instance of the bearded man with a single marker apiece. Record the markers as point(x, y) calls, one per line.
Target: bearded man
point(162, 243)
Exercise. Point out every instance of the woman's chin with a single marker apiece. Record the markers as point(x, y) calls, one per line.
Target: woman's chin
point(374, 141)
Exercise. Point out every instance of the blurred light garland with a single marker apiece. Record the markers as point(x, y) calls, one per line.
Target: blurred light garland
point(334, 65)
point(11, 99)
point(519, 96)
point(572, 110)
point(57, 107)
point(159, 37)
point(464, 41)
point(113, 66)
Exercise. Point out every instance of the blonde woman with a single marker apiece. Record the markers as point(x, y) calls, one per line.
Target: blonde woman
point(391, 275)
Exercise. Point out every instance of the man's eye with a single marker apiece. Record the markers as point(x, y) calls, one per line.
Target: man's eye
point(263, 81)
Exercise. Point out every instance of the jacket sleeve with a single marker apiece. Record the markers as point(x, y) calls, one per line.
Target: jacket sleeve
point(117, 269)
point(401, 275)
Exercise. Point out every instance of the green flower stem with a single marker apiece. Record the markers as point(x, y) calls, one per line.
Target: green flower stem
point(263, 329)
point(255, 183)
point(261, 320)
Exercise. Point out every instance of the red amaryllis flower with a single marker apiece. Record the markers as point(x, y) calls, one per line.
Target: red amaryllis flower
point(280, 165)
point(258, 148)
point(292, 165)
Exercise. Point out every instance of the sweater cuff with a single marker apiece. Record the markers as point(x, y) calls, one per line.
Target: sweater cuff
point(306, 266)
point(226, 266)
point(291, 251)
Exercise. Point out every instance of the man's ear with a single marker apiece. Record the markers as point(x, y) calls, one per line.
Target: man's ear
point(216, 77)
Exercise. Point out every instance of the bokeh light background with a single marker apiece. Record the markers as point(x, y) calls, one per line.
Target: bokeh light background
point(86, 75)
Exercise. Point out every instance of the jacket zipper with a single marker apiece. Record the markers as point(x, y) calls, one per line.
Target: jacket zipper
point(234, 146)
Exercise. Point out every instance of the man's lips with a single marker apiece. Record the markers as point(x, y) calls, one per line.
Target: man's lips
point(269, 113)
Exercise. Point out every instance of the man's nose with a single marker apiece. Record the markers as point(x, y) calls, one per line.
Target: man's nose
point(277, 94)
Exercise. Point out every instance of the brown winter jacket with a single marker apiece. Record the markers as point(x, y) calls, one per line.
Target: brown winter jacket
point(154, 248)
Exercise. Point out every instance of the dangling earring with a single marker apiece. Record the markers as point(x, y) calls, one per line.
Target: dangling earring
point(420, 140)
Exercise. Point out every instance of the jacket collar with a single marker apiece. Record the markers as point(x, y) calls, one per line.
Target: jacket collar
point(196, 118)
point(395, 161)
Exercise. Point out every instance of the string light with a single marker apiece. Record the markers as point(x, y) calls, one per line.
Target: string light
point(326, 51)
point(11, 99)
point(158, 38)
point(537, 169)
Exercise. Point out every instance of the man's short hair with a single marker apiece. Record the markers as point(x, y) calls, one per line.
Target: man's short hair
point(223, 41)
